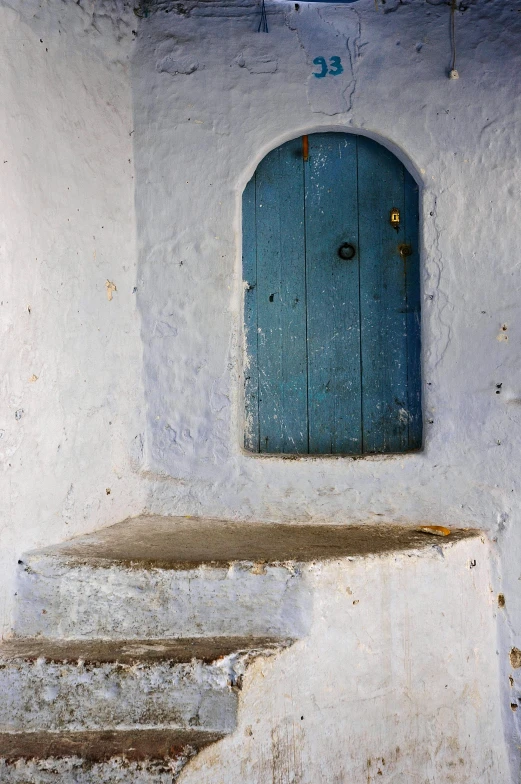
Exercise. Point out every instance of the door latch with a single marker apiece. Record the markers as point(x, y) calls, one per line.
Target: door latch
point(394, 218)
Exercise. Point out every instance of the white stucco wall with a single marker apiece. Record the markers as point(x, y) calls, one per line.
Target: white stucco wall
point(198, 139)
point(367, 696)
point(71, 398)
point(211, 96)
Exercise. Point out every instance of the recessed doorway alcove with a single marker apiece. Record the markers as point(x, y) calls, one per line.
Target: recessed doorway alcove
point(332, 300)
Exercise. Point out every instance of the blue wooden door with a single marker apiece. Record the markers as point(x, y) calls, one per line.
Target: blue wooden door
point(332, 300)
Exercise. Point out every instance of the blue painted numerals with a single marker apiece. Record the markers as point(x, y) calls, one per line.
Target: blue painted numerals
point(323, 66)
point(335, 67)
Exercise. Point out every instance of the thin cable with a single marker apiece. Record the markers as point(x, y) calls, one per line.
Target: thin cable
point(453, 33)
point(453, 73)
point(263, 24)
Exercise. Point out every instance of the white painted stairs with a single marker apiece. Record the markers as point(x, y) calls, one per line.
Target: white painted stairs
point(130, 644)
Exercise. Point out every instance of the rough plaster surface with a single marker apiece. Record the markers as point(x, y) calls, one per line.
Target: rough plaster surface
point(61, 697)
point(71, 359)
point(75, 771)
point(396, 678)
point(210, 98)
point(110, 602)
point(397, 681)
point(459, 139)
point(211, 128)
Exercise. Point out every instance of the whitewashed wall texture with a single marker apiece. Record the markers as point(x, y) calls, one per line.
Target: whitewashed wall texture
point(127, 138)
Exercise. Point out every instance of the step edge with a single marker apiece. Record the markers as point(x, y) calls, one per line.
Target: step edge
point(415, 537)
point(47, 648)
point(182, 742)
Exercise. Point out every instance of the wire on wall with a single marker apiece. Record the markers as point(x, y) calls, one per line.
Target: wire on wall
point(263, 24)
point(453, 73)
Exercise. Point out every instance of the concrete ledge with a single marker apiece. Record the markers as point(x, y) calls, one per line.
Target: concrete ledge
point(174, 651)
point(102, 746)
point(187, 543)
point(156, 577)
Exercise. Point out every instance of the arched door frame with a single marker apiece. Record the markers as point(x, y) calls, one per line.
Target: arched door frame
point(388, 145)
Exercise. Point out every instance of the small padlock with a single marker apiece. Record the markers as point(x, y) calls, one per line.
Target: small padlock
point(395, 218)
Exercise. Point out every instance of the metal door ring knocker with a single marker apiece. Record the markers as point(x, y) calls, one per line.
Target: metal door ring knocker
point(404, 250)
point(347, 251)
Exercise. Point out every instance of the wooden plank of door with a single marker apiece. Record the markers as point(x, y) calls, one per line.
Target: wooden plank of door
point(382, 300)
point(333, 318)
point(281, 301)
point(293, 295)
point(412, 223)
point(249, 276)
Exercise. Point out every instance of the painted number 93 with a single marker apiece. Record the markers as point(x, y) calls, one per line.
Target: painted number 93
point(335, 67)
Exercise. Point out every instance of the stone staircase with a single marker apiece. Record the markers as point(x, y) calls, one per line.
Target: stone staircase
point(130, 644)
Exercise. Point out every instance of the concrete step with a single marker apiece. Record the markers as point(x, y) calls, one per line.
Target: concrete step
point(73, 687)
point(69, 687)
point(165, 577)
point(114, 711)
point(137, 637)
point(102, 757)
point(105, 745)
point(175, 651)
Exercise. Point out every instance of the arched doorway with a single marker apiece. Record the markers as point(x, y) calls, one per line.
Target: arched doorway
point(332, 300)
